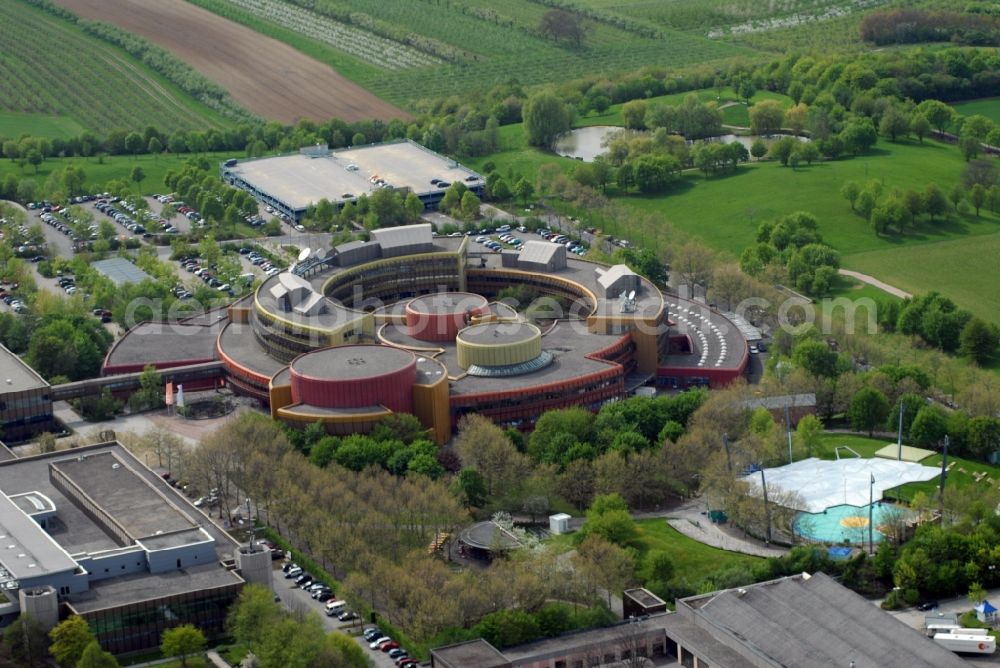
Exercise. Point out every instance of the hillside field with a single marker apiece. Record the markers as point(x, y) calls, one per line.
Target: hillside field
point(473, 46)
point(988, 107)
point(104, 89)
point(262, 74)
point(15, 124)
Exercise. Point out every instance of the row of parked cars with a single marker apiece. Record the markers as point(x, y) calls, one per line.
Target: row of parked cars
point(192, 266)
point(258, 260)
point(59, 218)
point(377, 640)
point(108, 208)
point(318, 591)
point(572, 245)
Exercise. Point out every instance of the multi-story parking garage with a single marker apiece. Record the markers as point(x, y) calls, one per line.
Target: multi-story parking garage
point(412, 322)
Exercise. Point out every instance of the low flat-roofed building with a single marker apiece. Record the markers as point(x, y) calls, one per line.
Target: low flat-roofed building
point(406, 240)
point(116, 543)
point(25, 399)
point(120, 271)
point(477, 653)
point(291, 183)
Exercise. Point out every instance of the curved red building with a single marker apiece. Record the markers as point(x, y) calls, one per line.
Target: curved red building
point(355, 377)
point(440, 316)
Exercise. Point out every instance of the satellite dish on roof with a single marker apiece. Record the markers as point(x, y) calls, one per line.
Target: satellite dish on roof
point(631, 295)
point(320, 254)
point(304, 254)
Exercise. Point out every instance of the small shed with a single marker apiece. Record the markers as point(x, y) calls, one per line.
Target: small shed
point(986, 613)
point(559, 523)
point(639, 602)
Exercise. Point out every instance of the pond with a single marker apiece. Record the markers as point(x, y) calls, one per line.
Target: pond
point(586, 143)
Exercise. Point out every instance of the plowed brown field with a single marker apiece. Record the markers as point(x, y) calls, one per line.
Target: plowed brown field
point(266, 76)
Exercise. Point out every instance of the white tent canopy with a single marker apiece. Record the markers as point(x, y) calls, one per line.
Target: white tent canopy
point(822, 483)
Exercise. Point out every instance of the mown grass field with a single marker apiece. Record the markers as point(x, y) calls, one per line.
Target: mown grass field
point(14, 124)
point(967, 270)
point(988, 107)
point(48, 66)
point(956, 256)
point(98, 172)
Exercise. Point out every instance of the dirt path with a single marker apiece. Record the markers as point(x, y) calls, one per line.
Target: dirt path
point(871, 280)
point(264, 75)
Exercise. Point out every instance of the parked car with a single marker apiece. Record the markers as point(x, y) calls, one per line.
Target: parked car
point(392, 644)
point(347, 616)
point(293, 573)
point(371, 633)
point(378, 642)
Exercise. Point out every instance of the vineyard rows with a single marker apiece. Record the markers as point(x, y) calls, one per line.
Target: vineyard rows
point(362, 44)
point(103, 91)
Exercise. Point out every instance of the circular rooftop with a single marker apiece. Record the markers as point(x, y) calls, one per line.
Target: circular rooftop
point(441, 303)
point(440, 316)
point(497, 344)
point(498, 333)
point(354, 377)
point(351, 362)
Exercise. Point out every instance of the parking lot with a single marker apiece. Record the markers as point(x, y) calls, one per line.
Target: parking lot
point(296, 600)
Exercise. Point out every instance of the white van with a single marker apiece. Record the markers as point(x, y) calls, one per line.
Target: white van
point(503, 228)
point(334, 608)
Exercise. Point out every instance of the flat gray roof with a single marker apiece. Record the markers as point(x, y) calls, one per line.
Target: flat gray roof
point(75, 531)
point(238, 342)
point(299, 180)
point(120, 271)
point(16, 375)
point(165, 343)
point(26, 549)
point(498, 333)
point(568, 342)
point(116, 488)
point(814, 622)
point(126, 589)
point(605, 636)
point(352, 362)
point(446, 302)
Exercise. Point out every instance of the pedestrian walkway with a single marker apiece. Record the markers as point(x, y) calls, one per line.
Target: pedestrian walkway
point(871, 280)
point(689, 520)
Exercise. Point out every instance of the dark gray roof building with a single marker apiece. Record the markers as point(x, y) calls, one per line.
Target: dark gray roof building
point(801, 621)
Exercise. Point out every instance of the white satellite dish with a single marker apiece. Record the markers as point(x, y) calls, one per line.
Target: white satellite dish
point(631, 295)
point(304, 254)
point(320, 254)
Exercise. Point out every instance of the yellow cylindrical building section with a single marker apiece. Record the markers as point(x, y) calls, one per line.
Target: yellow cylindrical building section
point(281, 396)
point(498, 344)
point(430, 406)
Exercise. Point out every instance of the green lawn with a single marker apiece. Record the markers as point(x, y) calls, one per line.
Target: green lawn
point(866, 447)
point(988, 107)
point(845, 286)
point(98, 172)
point(960, 476)
point(14, 124)
point(694, 561)
point(737, 114)
point(725, 210)
point(964, 269)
